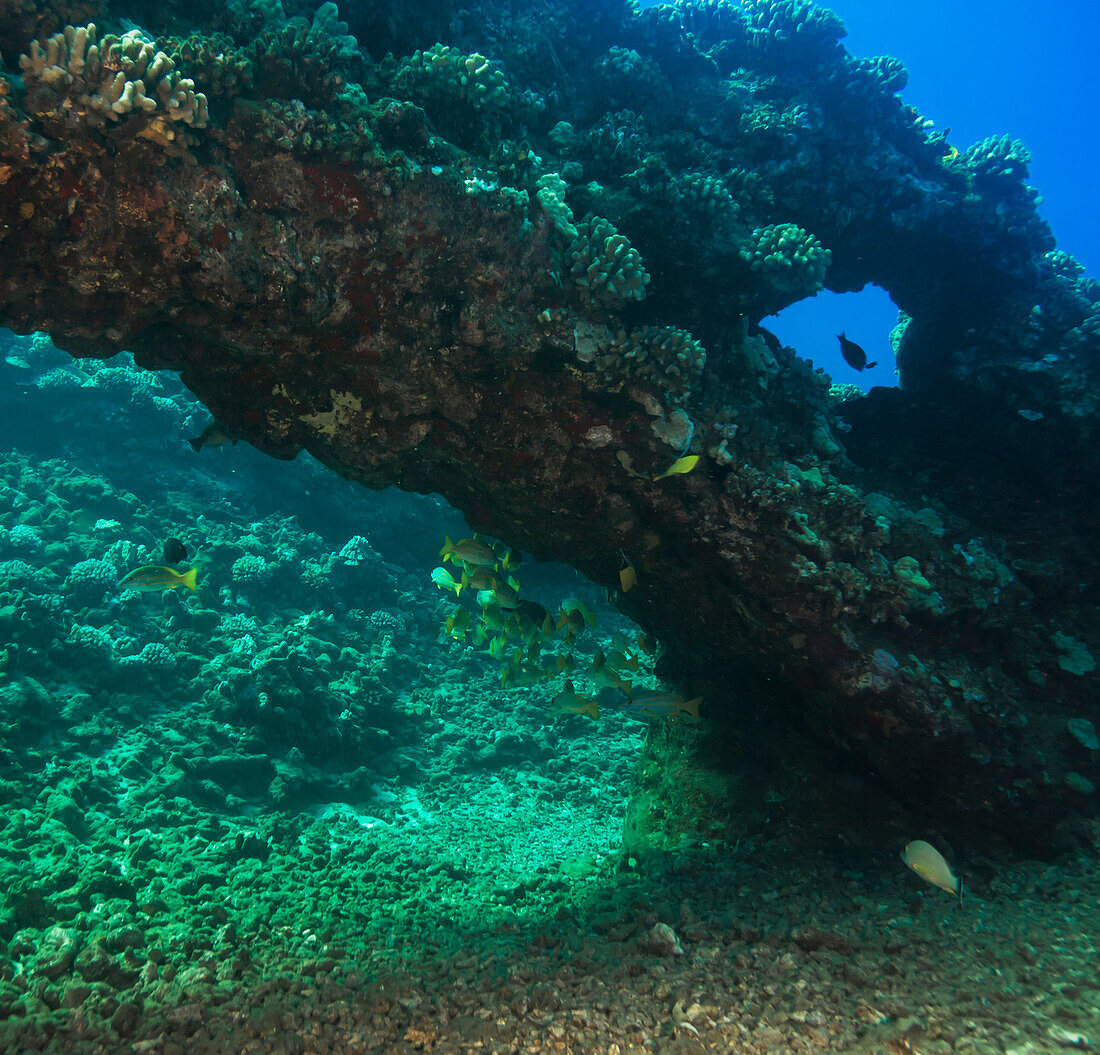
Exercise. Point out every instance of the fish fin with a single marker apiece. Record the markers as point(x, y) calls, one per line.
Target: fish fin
point(189, 578)
point(871, 366)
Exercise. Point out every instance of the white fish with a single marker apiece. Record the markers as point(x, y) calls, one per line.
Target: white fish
point(929, 864)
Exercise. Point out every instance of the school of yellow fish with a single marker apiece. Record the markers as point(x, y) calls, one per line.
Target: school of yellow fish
point(532, 643)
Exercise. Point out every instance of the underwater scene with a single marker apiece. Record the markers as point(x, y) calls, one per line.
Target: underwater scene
point(457, 596)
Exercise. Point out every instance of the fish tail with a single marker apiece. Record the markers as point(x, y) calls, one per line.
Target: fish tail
point(196, 443)
point(189, 578)
point(592, 708)
point(448, 548)
point(692, 706)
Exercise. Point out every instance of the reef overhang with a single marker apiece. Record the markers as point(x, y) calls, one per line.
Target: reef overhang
point(437, 273)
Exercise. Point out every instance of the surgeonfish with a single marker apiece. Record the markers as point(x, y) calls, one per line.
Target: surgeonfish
point(155, 578)
point(656, 703)
point(930, 865)
point(175, 552)
point(854, 356)
point(628, 576)
point(214, 435)
point(680, 466)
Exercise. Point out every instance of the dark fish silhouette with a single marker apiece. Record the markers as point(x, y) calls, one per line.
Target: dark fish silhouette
point(175, 552)
point(854, 356)
point(214, 435)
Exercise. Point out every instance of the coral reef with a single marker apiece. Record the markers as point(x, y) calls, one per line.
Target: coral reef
point(389, 274)
point(76, 77)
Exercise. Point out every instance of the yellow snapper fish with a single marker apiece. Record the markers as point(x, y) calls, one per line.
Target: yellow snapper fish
point(680, 466)
point(493, 617)
point(530, 619)
point(503, 595)
point(622, 656)
point(521, 672)
point(458, 624)
point(154, 578)
point(568, 626)
point(656, 703)
point(555, 663)
point(601, 674)
point(469, 552)
point(480, 579)
point(445, 580)
point(930, 865)
point(569, 701)
point(498, 647)
point(575, 606)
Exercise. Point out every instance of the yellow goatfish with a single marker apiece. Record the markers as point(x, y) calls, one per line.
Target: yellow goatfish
point(153, 578)
point(680, 466)
point(929, 864)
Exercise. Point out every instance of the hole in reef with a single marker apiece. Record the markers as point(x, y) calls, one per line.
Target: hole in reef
point(867, 317)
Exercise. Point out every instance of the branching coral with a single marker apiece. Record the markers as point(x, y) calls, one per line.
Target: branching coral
point(671, 359)
point(785, 249)
point(605, 264)
point(110, 79)
point(443, 75)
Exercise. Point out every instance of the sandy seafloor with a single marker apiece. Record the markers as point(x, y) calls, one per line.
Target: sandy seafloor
point(461, 886)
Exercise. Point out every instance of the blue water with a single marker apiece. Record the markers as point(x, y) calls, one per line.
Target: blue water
point(978, 68)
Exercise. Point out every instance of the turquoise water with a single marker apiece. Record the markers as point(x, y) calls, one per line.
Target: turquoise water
point(288, 764)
